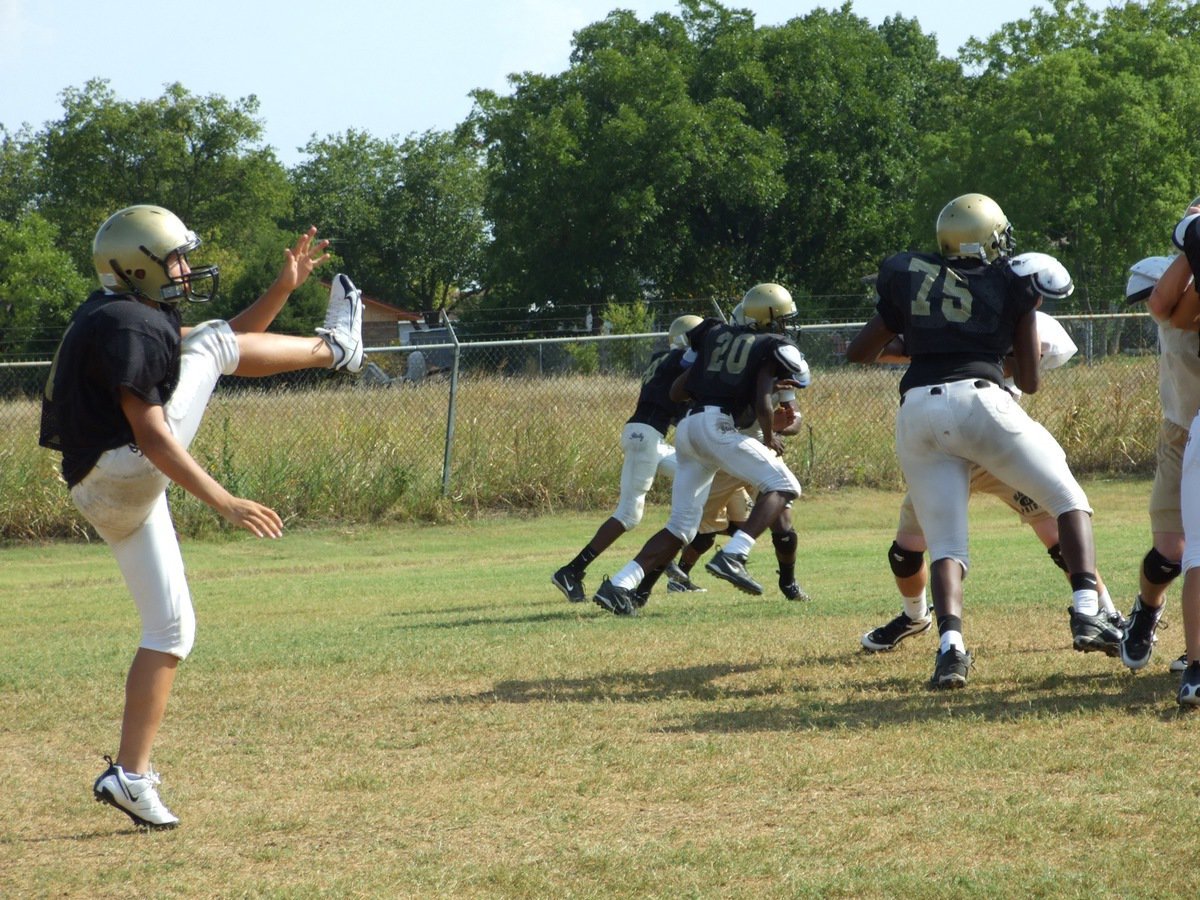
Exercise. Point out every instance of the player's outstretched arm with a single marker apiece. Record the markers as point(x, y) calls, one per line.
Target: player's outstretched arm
point(156, 442)
point(764, 405)
point(1174, 297)
point(1027, 353)
point(300, 260)
point(869, 343)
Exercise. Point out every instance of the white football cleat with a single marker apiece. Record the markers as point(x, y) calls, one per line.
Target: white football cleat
point(342, 330)
point(137, 797)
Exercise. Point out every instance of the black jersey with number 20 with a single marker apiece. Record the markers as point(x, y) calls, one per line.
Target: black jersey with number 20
point(729, 358)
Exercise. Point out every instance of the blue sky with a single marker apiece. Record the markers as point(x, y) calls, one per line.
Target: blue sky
point(388, 67)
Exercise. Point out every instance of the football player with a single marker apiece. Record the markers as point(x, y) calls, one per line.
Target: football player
point(958, 314)
point(906, 556)
point(1179, 395)
point(646, 452)
point(737, 369)
point(725, 512)
point(125, 396)
point(1174, 304)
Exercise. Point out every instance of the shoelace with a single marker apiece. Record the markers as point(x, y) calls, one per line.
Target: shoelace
point(149, 777)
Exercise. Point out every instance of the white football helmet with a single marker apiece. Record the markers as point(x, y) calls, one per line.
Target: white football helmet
point(767, 307)
point(1143, 276)
point(1048, 276)
point(130, 254)
point(677, 333)
point(974, 226)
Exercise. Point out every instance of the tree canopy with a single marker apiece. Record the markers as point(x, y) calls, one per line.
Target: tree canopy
point(676, 160)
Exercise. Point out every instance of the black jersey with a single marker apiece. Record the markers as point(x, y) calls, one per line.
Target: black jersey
point(113, 341)
point(729, 358)
point(957, 320)
point(655, 406)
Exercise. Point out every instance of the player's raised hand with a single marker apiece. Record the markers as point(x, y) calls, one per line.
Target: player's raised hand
point(301, 259)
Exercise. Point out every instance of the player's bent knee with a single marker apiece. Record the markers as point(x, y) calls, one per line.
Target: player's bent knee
point(1158, 569)
point(179, 645)
point(630, 516)
point(1055, 554)
point(785, 542)
point(216, 338)
point(904, 563)
point(174, 635)
point(685, 534)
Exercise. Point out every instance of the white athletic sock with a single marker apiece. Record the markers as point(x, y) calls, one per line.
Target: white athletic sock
point(1106, 603)
point(916, 607)
point(1087, 602)
point(952, 639)
point(630, 576)
point(740, 544)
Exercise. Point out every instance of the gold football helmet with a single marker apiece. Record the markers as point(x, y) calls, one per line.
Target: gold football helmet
point(131, 250)
point(677, 333)
point(974, 226)
point(766, 307)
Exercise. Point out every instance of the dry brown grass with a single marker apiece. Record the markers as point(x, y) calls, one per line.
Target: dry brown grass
point(341, 453)
point(415, 711)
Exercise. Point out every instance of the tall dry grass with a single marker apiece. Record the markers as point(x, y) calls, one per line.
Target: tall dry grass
point(341, 452)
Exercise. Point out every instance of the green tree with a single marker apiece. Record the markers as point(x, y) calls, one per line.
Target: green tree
point(39, 286)
point(1079, 126)
point(406, 217)
point(201, 157)
point(18, 173)
point(853, 104)
point(692, 155)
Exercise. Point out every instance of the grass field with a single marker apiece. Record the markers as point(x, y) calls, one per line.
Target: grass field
point(416, 711)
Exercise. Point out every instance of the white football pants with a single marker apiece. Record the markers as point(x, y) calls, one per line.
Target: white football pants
point(707, 441)
point(646, 453)
point(943, 429)
point(124, 498)
point(1189, 497)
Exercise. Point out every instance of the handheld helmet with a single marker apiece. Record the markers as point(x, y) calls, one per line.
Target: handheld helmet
point(131, 250)
point(767, 307)
point(677, 333)
point(1143, 276)
point(974, 226)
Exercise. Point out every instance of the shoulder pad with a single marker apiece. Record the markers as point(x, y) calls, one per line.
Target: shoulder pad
point(1048, 276)
point(789, 356)
point(1057, 346)
point(1182, 228)
point(1143, 276)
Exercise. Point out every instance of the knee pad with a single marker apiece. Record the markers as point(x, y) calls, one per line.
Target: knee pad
point(629, 511)
point(703, 542)
point(1158, 569)
point(904, 563)
point(1055, 553)
point(785, 542)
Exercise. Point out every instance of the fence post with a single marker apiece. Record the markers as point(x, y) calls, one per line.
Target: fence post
point(450, 413)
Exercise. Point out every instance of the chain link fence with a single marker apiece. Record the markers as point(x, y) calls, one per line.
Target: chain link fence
point(429, 430)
